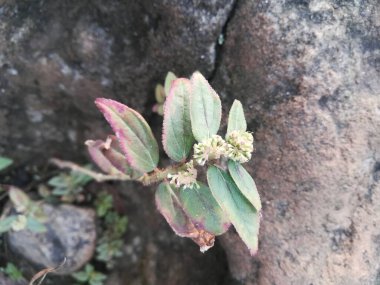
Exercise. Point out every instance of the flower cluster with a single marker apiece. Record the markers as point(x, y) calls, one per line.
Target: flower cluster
point(240, 146)
point(210, 149)
point(186, 178)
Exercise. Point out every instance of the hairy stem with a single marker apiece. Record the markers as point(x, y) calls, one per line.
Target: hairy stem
point(147, 179)
point(99, 177)
point(160, 174)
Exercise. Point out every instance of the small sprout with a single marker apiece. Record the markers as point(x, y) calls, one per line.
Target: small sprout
point(240, 146)
point(110, 244)
point(29, 214)
point(103, 204)
point(89, 276)
point(69, 186)
point(12, 272)
point(186, 178)
point(209, 149)
point(161, 92)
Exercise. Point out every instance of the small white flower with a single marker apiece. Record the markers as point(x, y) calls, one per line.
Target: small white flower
point(186, 178)
point(212, 148)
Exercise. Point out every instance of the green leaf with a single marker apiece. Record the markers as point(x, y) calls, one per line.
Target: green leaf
point(204, 211)
point(80, 179)
point(34, 225)
point(103, 204)
point(177, 136)
point(81, 276)
point(240, 211)
point(170, 77)
point(13, 272)
point(59, 181)
point(98, 278)
point(236, 119)
point(5, 162)
point(6, 223)
point(61, 191)
point(245, 183)
point(134, 134)
point(205, 108)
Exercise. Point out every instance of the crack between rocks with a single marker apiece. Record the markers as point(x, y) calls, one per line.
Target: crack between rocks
point(219, 48)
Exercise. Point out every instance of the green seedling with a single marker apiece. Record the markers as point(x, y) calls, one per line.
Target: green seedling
point(29, 214)
point(12, 272)
point(200, 210)
point(161, 92)
point(68, 186)
point(89, 276)
point(113, 227)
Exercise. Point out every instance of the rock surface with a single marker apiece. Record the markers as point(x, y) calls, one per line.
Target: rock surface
point(71, 233)
point(308, 74)
point(57, 57)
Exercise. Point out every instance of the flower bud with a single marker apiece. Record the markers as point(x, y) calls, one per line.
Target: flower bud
point(240, 146)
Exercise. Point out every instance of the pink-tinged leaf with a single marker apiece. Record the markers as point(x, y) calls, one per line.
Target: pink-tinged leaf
point(177, 137)
point(170, 207)
point(199, 204)
point(205, 108)
point(133, 133)
point(109, 158)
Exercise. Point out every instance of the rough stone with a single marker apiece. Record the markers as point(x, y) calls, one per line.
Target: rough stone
point(308, 73)
point(71, 233)
point(57, 57)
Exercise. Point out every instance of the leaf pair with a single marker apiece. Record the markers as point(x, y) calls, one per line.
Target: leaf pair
point(237, 195)
point(192, 111)
point(108, 156)
point(192, 213)
point(133, 133)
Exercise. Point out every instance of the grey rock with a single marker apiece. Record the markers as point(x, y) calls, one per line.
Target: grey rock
point(307, 72)
point(71, 233)
point(308, 75)
point(57, 57)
